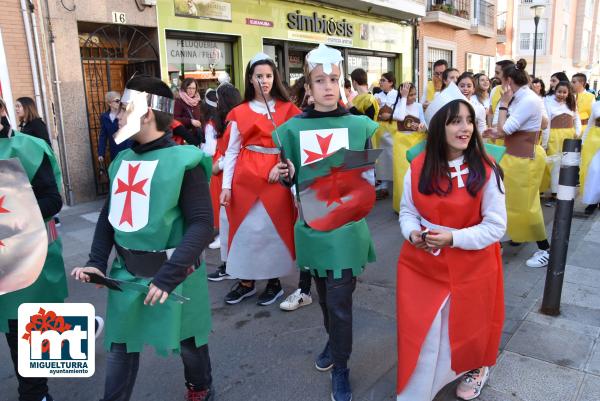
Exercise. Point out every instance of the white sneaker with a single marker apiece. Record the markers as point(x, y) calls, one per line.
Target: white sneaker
point(295, 300)
point(99, 323)
point(471, 383)
point(216, 244)
point(539, 259)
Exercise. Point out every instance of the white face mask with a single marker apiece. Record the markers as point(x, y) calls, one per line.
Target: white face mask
point(137, 105)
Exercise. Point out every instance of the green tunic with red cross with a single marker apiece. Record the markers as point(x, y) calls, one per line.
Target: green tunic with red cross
point(145, 214)
point(306, 141)
point(51, 284)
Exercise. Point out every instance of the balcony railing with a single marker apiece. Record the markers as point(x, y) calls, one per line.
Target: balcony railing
point(458, 8)
point(501, 24)
point(485, 14)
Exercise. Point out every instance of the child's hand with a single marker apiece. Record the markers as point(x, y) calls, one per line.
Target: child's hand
point(225, 197)
point(438, 239)
point(79, 273)
point(417, 240)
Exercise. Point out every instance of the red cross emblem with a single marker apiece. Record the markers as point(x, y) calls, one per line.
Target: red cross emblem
point(2, 210)
point(323, 145)
point(129, 188)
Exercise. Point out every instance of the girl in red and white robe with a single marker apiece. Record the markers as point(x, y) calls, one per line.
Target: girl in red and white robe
point(261, 210)
point(450, 289)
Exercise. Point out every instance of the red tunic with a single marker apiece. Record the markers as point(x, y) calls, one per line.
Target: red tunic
point(216, 181)
point(472, 279)
point(252, 171)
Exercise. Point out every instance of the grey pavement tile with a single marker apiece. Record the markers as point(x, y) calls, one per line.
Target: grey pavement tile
point(562, 322)
point(551, 344)
point(582, 275)
point(581, 295)
point(593, 364)
point(593, 235)
point(528, 379)
point(585, 254)
point(590, 390)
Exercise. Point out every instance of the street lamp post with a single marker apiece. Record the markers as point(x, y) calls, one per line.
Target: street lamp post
point(538, 11)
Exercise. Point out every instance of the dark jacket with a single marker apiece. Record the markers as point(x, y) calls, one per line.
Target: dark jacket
point(184, 113)
point(107, 132)
point(37, 128)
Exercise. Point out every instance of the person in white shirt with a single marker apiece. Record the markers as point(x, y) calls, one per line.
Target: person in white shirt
point(384, 139)
point(519, 122)
point(589, 174)
point(466, 84)
point(411, 130)
point(561, 108)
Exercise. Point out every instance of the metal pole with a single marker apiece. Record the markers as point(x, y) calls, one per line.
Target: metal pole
point(536, 20)
point(567, 190)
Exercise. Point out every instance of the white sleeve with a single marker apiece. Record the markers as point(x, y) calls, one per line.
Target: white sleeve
point(577, 124)
point(210, 140)
point(480, 116)
point(495, 118)
point(422, 114)
point(492, 227)
point(546, 132)
point(410, 219)
point(400, 112)
point(231, 155)
point(519, 116)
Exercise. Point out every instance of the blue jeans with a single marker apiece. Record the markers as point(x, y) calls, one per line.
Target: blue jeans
point(122, 368)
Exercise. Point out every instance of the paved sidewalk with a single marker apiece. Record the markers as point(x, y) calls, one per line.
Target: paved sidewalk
point(262, 353)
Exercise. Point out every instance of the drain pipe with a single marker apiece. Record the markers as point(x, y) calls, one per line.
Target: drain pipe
point(32, 59)
point(59, 115)
point(38, 54)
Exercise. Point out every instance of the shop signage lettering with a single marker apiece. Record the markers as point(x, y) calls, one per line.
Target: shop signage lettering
point(319, 24)
point(259, 22)
point(197, 52)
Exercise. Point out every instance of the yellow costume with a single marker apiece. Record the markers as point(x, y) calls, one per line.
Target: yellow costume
point(591, 143)
point(496, 95)
point(522, 179)
point(584, 107)
point(363, 102)
point(403, 141)
point(384, 138)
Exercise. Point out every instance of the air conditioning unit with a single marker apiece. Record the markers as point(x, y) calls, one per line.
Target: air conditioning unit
point(148, 3)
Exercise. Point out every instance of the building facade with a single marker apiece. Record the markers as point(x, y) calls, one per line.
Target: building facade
point(207, 39)
point(568, 37)
point(463, 32)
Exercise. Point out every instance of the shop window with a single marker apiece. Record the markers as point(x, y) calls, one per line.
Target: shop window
point(373, 65)
point(201, 58)
point(479, 63)
point(434, 54)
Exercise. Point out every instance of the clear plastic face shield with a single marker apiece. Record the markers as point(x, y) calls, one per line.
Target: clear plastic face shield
point(327, 57)
point(137, 104)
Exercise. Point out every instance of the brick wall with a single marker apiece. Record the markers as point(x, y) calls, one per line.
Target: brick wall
point(15, 47)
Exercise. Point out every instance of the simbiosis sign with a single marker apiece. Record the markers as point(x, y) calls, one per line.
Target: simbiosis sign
point(319, 24)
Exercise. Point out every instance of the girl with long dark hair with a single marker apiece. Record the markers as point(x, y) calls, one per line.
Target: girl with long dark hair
point(466, 84)
point(561, 108)
point(555, 79)
point(519, 123)
point(482, 91)
point(450, 287)
point(30, 121)
point(261, 211)
point(227, 97)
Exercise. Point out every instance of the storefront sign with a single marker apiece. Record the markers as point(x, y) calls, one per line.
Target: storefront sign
point(320, 24)
point(206, 9)
point(259, 22)
point(320, 38)
point(197, 54)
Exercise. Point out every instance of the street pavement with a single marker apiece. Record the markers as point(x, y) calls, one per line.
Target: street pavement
point(263, 353)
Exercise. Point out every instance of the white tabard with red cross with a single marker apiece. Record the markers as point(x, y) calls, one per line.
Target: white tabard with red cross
point(130, 195)
point(318, 144)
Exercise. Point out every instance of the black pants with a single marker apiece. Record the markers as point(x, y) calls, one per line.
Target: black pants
point(30, 388)
point(335, 298)
point(122, 368)
point(304, 282)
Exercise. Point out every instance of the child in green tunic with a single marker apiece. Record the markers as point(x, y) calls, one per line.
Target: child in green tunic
point(335, 256)
point(158, 213)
